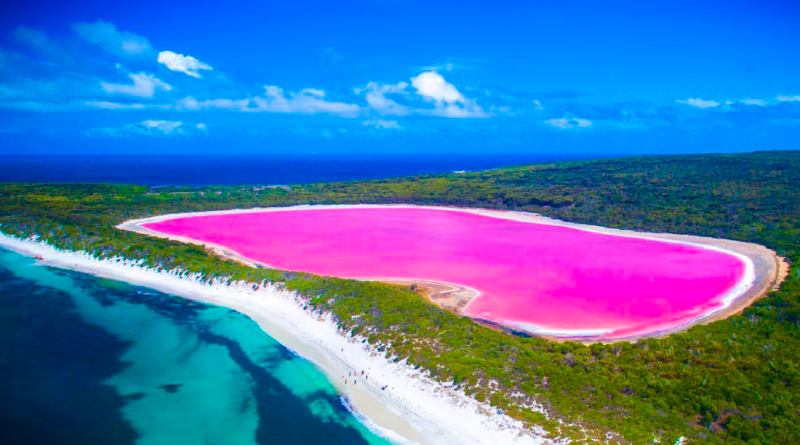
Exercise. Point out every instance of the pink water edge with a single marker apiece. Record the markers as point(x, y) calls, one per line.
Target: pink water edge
point(531, 276)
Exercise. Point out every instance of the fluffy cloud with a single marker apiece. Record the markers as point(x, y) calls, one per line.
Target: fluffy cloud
point(164, 127)
point(449, 101)
point(112, 40)
point(184, 64)
point(431, 85)
point(788, 98)
point(700, 103)
point(382, 124)
point(144, 85)
point(274, 100)
point(307, 101)
point(375, 94)
point(569, 122)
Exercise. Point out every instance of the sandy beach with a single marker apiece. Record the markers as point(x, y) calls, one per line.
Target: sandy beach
point(395, 400)
point(764, 268)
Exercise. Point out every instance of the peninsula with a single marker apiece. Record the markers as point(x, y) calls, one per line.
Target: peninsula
point(726, 374)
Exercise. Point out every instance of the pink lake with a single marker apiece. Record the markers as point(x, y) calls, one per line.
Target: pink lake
point(536, 277)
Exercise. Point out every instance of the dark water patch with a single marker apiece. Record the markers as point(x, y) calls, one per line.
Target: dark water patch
point(66, 377)
point(292, 412)
point(52, 365)
point(171, 388)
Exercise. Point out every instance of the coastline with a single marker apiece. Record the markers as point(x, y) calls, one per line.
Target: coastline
point(763, 268)
point(412, 409)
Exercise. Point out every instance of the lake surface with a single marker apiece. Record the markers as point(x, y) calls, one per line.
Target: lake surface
point(536, 277)
point(86, 360)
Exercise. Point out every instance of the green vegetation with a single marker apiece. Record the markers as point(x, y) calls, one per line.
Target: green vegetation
point(733, 381)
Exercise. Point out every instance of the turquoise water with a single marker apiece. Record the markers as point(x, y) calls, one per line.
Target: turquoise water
point(90, 360)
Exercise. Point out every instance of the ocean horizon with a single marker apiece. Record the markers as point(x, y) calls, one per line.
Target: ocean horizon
point(248, 169)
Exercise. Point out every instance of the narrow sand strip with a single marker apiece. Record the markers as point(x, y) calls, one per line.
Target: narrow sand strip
point(411, 409)
point(762, 267)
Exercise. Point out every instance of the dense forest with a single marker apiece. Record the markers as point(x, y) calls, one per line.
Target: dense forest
point(732, 381)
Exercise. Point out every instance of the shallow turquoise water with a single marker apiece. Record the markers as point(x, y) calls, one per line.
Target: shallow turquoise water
point(98, 361)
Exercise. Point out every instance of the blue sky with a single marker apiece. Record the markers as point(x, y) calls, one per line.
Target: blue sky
point(392, 76)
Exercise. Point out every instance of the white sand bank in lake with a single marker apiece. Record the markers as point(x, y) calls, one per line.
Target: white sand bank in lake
point(413, 408)
point(762, 266)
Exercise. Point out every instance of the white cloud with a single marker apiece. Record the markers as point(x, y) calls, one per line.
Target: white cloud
point(307, 101)
point(382, 124)
point(788, 98)
point(153, 128)
point(759, 102)
point(313, 92)
point(190, 103)
point(165, 127)
point(184, 64)
point(455, 111)
point(569, 122)
point(144, 85)
point(432, 86)
point(112, 40)
point(376, 97)
point(700, 103)
point(158, 128)
point(449, 101)
point(201, 126)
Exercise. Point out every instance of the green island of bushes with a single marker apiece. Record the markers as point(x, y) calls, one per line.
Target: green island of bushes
point(731, 381)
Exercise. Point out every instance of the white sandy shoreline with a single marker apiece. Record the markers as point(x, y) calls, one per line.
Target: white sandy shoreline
point(413, 408)
point(761, 264)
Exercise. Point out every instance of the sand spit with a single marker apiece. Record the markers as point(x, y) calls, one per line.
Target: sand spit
point(396, 401)
point(763, 266)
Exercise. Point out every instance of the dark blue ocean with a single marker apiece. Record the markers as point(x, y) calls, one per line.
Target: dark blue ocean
point(249, 169)
point(85, 360)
